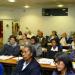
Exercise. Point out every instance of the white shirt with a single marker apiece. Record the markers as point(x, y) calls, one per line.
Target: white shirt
point(24, 65)
point(73, 45)
point(54, 49)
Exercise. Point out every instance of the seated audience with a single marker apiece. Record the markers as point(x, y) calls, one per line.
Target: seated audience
point(29, 34)
point(41, 38)
point(53, 36)
point(63, 39)
point(19, 36)
point(72, 55)
point(11, 48)
point(37, 46)
point(53, 48)
point(73, 43)
point(28, 65)
point(63, 65)
point(24, 41)
point(70, 37)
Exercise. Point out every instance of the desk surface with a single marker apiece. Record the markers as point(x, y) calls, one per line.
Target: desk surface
point(14, 62)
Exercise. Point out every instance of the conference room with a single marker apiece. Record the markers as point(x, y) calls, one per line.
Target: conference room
point(47, 25)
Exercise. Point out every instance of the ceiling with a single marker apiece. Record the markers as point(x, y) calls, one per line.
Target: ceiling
point(35, 3)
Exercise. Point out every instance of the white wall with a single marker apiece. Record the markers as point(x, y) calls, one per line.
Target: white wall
point(33, 19)
point(7, 30)
point(8, 15)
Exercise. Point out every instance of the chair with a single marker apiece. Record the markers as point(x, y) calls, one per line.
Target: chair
point(1, 69)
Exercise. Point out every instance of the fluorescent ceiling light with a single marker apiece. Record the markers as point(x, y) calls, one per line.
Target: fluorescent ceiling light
point(26, 6)
point(60, 5)
point(11, 0)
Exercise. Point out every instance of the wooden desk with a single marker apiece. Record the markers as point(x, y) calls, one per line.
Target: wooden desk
point(14, 62)
point(47, 66)
point(9, 61)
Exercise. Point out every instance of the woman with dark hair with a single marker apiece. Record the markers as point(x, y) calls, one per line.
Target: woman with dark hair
point(53, 48)
point(63, 65)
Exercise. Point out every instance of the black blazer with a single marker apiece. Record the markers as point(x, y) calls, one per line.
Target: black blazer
point(33, 68)
point(51, 54)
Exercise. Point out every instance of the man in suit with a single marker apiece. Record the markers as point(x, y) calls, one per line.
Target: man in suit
point(28, 65)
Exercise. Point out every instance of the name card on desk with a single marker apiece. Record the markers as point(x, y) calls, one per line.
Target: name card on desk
point(46, 61)
point(3, 57)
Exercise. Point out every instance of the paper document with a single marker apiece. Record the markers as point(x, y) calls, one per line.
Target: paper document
point(46, 61)
point(3, 57)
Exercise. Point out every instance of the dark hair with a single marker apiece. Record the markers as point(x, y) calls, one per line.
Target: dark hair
point(57, 42)
point(35, 38)
point(31, 49)
point(61, 56)
point(55, 32)
point(20, 33)
point(12, 36)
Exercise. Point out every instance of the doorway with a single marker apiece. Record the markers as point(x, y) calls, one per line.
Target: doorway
point(1, 34)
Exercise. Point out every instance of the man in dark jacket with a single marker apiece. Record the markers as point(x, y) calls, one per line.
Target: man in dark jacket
point(10, 49)
point(28, 65)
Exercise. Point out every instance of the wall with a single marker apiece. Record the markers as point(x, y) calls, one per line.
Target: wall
point(8, 15)
point(33, 19)
point(7, 30)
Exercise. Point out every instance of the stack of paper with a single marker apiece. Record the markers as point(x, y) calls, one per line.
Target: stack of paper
point(3, 57)
point(46, 61)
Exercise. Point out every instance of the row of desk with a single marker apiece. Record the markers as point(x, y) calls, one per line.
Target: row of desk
point(47, 68)
point(13, 61)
